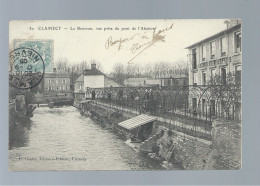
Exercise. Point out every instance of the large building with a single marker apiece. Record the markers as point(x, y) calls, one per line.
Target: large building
point(56, 82)
point(219, 55)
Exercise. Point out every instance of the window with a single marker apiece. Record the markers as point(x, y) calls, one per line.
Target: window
point(57, 81)
point(223, 46)
point(238, 75)
point(224, 76)
point(194, 60)
point(203, 106)
point(57, 88)
point(61, 87)
point(203, 52)
point(169, 82)
point(238, 42)
point(213, 72)
point(194, 104)
point(212, 49)
point(49, 81)
point(195, 78)
point(212, 108)
point(203, 78)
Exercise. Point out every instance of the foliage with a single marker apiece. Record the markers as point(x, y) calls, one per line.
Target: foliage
point(161, 69)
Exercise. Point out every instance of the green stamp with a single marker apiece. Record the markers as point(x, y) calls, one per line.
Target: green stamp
point(43, 47)
point(28, 62)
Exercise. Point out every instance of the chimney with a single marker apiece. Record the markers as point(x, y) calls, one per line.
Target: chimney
point(232, 22)
point(93, 66)
point(227, 22)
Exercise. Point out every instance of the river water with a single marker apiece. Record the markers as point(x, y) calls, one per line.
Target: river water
point(62, 139)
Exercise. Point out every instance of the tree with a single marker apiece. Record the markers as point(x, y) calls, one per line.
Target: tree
point(119, 73)
point(226, 90)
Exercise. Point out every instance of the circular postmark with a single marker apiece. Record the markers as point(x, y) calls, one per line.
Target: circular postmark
point(26, 68)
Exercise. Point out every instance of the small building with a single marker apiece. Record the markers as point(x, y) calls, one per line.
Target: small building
point(79, 92)
point(174, 81)
point(140, 127)
point(94, 78)
point(135, 82)
point(153, 82)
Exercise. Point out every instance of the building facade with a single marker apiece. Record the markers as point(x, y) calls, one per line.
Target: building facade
point(79, 92)
point(94, 78)
point(216, 62)
point(57, 82)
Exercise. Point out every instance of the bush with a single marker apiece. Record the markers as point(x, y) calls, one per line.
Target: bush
point(169, 133)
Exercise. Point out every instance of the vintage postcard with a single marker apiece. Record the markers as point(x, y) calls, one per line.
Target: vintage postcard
point(125, 94)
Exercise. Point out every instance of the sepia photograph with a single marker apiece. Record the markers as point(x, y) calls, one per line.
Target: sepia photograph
point(125, 94)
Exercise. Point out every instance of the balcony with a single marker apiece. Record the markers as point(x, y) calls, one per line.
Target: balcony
point(212, 63)
point(204, 64)
point(223, 61)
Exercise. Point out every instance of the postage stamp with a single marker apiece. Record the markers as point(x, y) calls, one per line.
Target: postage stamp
point(26, 68)
point(28, 61)
point(43, 47)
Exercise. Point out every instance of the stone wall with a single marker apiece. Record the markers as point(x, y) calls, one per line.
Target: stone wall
point(176, 148)
point(227, 144)
point(188, 152)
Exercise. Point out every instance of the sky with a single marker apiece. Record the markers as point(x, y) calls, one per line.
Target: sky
point(77, 45)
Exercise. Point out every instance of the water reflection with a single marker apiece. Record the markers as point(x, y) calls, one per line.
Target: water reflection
point(62, 139)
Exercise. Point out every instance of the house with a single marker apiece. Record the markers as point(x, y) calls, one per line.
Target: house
point(79, 92)
point(219, 55)
point(94, 78)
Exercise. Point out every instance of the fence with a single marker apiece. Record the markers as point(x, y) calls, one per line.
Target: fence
point(200, 103)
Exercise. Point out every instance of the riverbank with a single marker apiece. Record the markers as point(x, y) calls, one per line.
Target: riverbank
point(171, 148)
point(18, 126)
point(109, 119)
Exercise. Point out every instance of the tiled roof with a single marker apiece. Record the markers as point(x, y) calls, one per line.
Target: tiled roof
point(81, 78)
point(92, 72)
point(56, 75)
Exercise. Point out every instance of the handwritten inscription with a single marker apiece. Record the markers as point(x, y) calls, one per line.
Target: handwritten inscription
point(139, 42)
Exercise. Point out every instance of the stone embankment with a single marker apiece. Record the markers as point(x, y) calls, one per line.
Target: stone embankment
point(173, 148)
